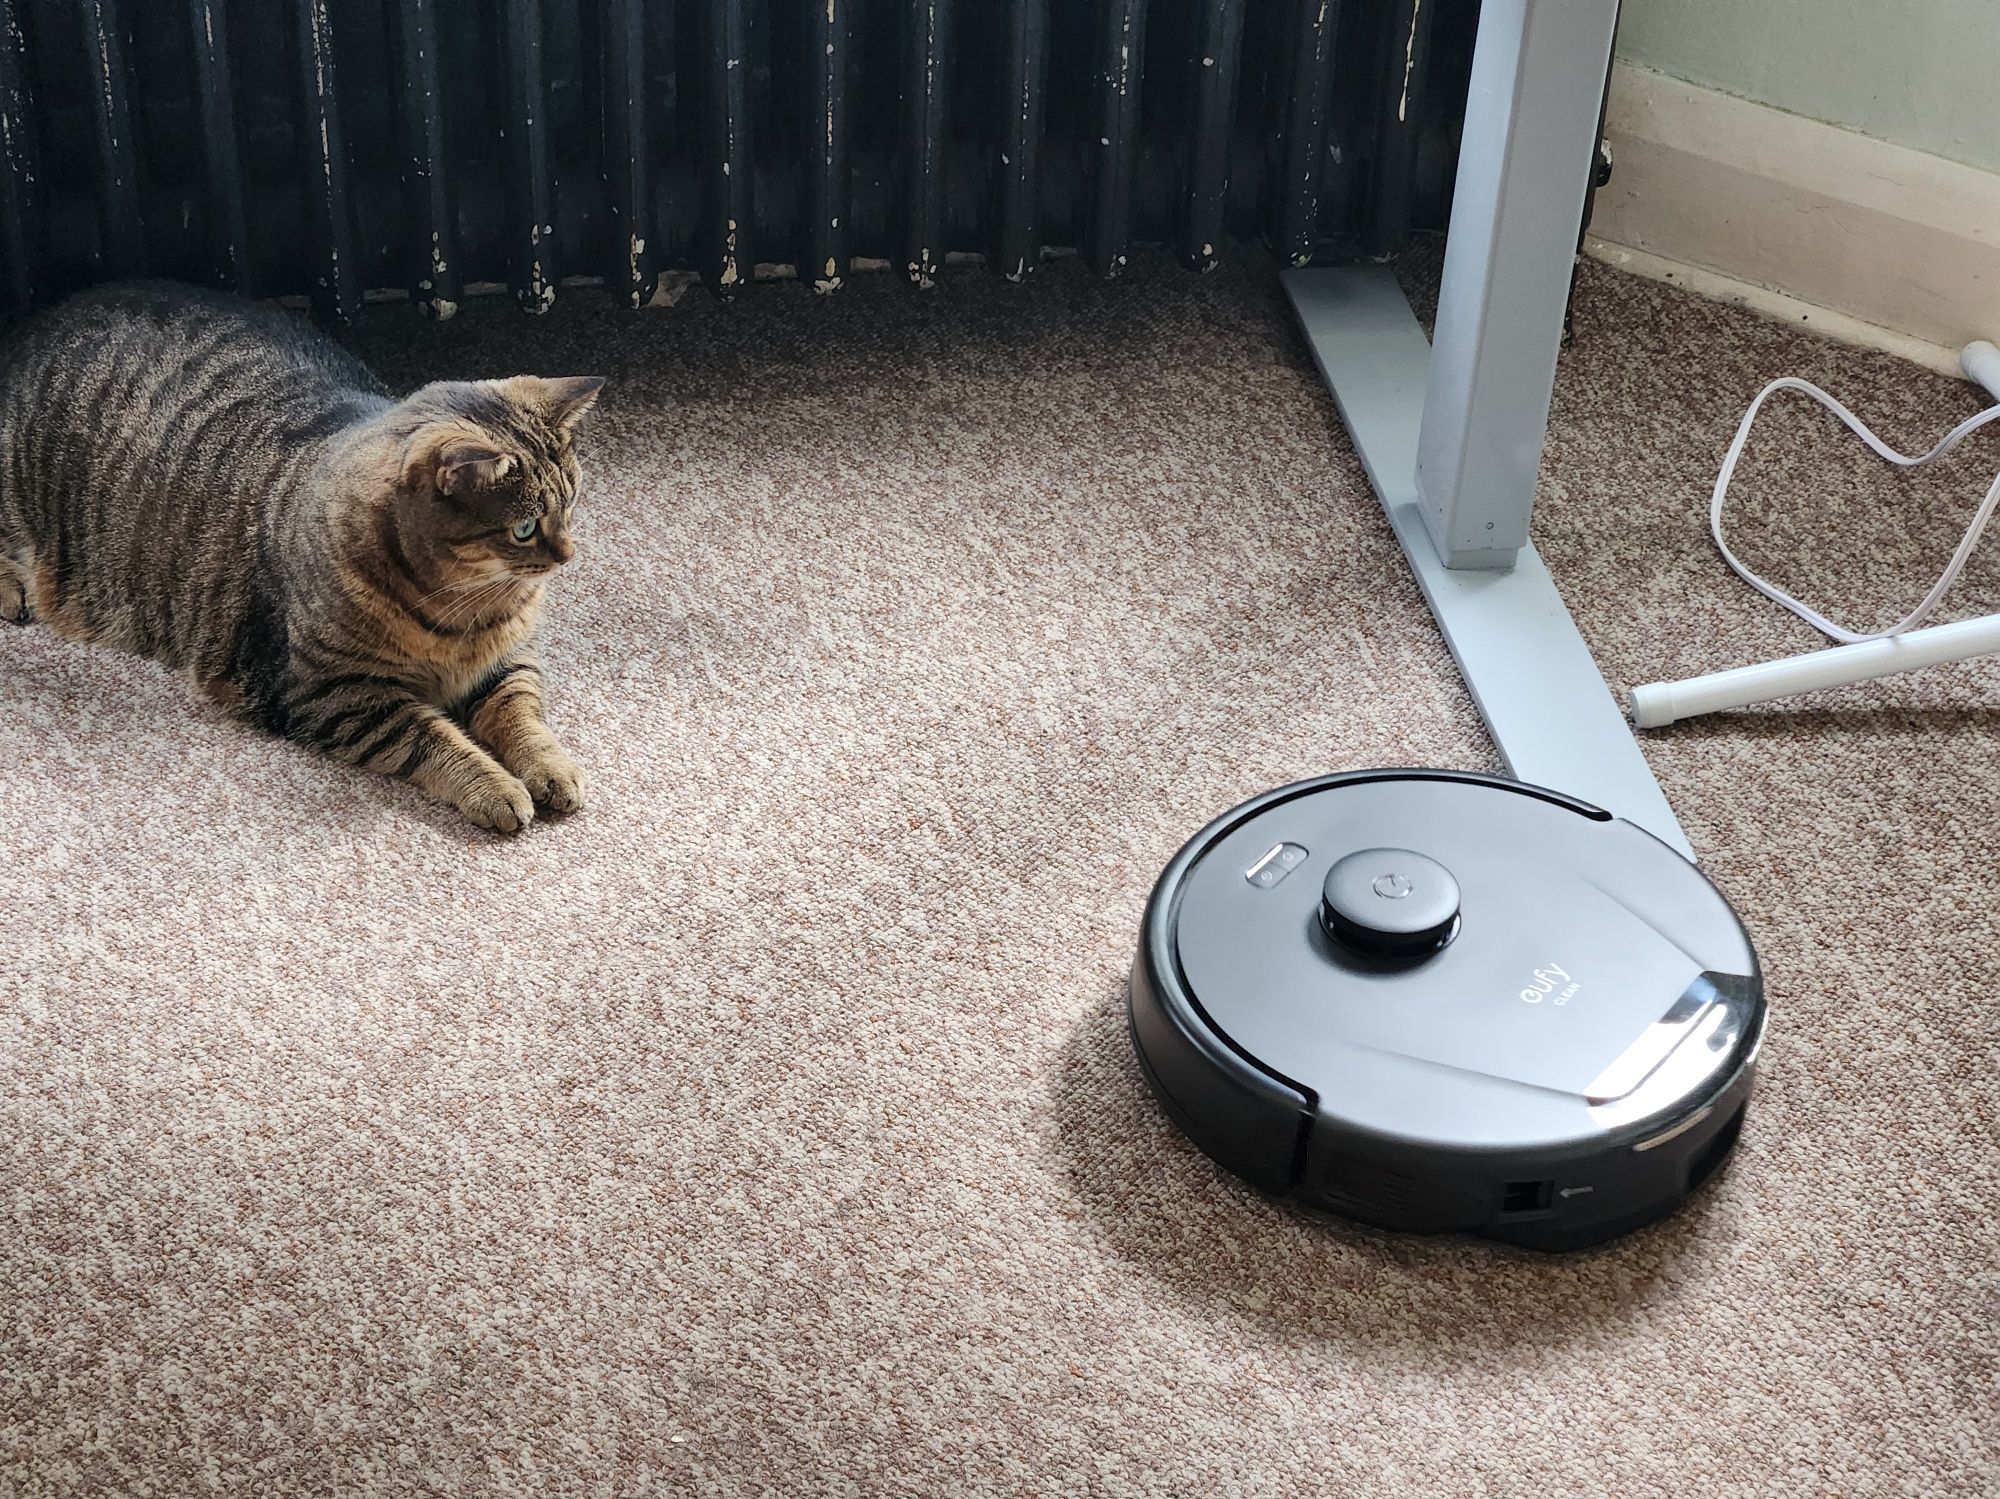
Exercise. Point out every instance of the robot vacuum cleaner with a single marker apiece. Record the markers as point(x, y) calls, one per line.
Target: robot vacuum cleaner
point(1443, 1002)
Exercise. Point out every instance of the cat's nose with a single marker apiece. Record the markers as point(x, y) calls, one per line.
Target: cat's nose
point(561, 548)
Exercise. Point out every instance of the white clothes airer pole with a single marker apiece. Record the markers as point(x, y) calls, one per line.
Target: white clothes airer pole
point(1660, 703)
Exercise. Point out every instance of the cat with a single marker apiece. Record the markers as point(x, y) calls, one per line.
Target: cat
point(212, 483)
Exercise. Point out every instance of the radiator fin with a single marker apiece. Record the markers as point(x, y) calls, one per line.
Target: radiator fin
point(628, 152)
point(228, 223)
point(20, 215)
point(727, 148)
point(1306, 104)
point(531, 182)
point(336, 288)
point(824, 262)
point(1214, 64)
point(1023, 92)
point(121, 250)
point(1404, 58)
point(1114, 154)
point(927, 41)
point(431, 254)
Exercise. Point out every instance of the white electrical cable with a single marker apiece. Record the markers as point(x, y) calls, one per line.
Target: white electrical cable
point(1902, 460)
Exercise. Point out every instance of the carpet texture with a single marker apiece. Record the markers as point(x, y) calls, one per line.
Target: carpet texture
point(770, 1127)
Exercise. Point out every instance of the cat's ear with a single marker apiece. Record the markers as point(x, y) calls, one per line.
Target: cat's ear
point(567, 400)
point(562, 403)
point(463, 466)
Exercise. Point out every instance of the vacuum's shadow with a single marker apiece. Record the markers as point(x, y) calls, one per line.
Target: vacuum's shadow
point(1174, 1215)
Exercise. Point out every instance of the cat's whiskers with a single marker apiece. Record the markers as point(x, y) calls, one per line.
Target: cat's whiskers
point(457, 585)
point(383, 637)
point(466, 609)
point(463, 608)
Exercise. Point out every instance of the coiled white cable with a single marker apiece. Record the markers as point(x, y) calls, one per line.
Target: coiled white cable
point(1811, 616)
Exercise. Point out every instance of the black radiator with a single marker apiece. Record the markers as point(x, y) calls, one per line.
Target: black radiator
point(441, 147)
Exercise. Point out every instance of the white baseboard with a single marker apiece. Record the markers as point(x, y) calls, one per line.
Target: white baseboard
point(1774, 305)
point(1861, 239)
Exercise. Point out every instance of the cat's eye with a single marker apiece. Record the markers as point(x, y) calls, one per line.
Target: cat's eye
point(523, 530)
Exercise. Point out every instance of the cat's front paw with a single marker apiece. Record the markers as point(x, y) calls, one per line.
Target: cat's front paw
point(555, 782)
point(498, 802)
point(14, 605)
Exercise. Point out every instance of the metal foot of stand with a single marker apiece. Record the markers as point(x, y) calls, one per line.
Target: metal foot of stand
point(1451, 432)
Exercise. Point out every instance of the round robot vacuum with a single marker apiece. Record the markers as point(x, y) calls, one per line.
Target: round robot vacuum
point(1443, 1002)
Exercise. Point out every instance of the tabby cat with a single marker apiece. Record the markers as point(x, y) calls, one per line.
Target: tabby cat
point(212, 483)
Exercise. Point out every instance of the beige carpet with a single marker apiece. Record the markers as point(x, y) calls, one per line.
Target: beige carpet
point(770, 1127)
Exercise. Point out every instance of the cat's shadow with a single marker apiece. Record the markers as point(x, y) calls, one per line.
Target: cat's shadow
point(124, 701)
point(1173, 1216)
point(416, 815)
point(361, 804)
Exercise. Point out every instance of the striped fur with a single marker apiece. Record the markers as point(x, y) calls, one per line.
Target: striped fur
point(212, 483)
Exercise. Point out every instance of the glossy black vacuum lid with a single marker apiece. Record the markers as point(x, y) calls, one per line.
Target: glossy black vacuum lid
point(1463, 961)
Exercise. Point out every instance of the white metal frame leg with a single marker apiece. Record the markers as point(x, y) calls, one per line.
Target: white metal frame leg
point(1530, 143)
point(1657, 704)
point(1470, 413)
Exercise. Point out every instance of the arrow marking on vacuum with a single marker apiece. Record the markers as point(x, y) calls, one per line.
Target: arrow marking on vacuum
point(1575, 1191)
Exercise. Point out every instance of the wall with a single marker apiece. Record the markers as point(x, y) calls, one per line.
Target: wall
point(1920, 73)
